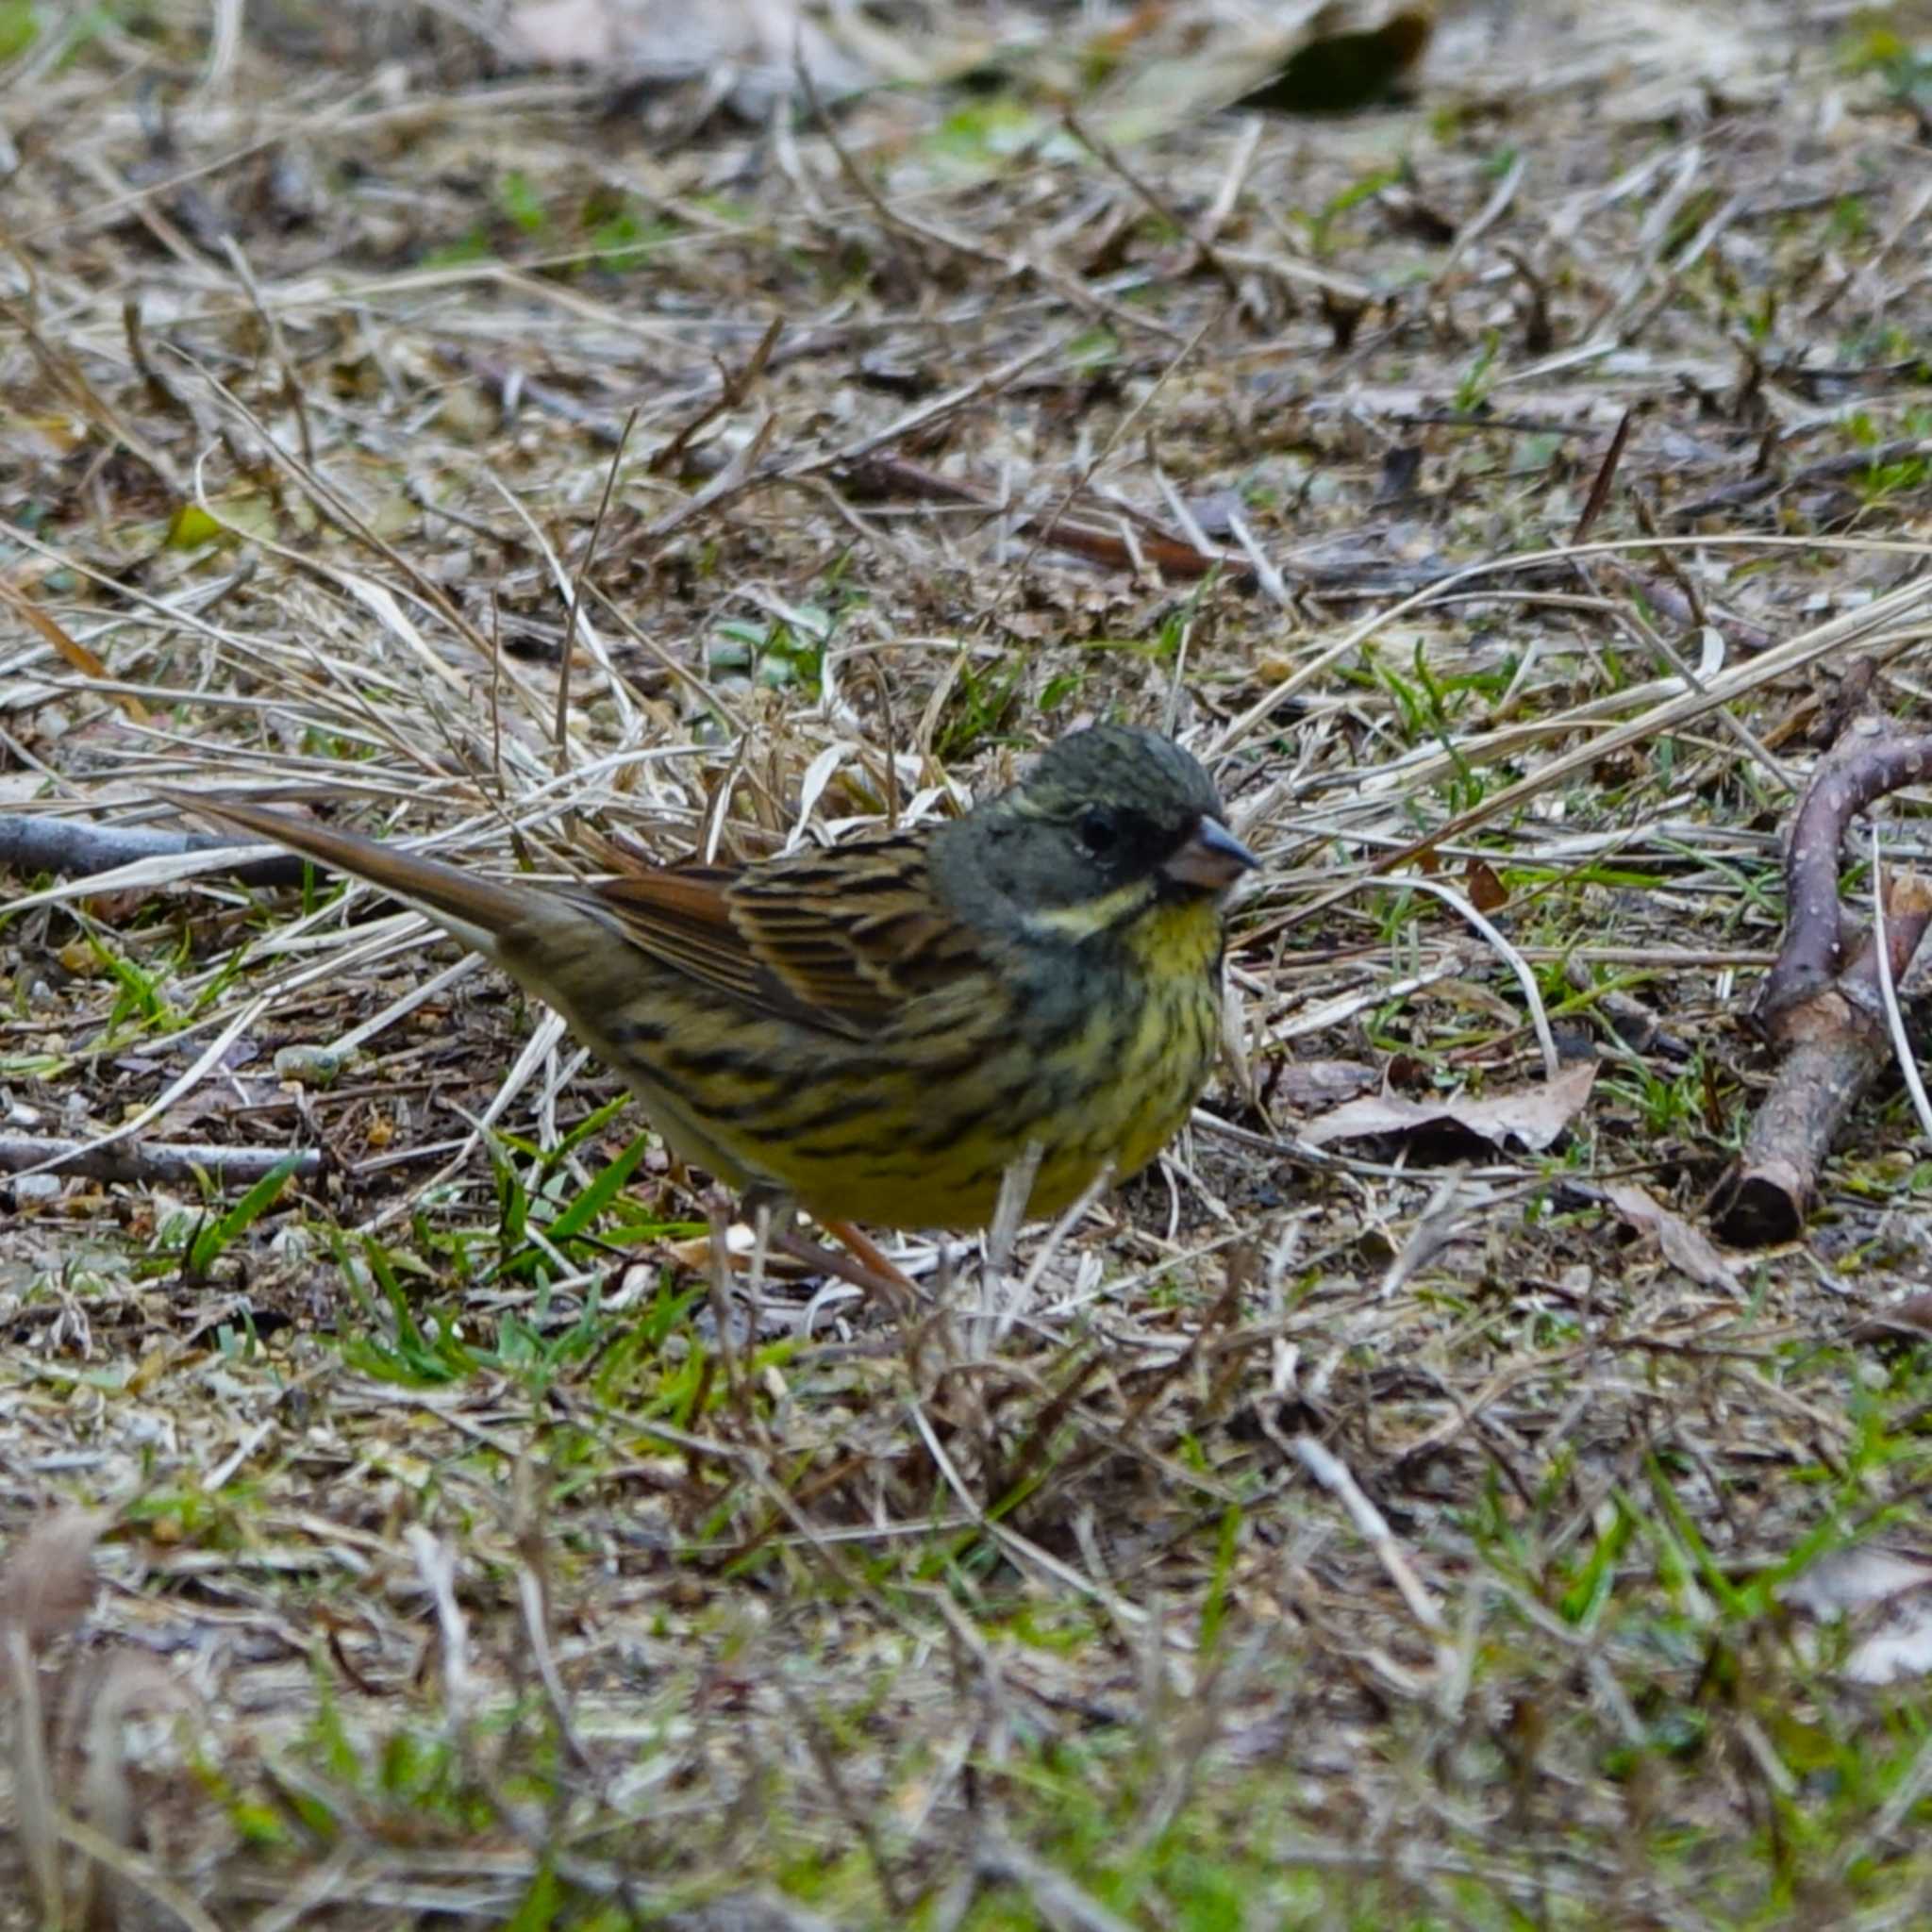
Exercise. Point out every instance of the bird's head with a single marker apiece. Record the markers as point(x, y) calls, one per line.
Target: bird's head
point(1111, 822)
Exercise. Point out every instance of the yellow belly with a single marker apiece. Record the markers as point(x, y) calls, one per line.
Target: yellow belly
point(1120, 1096)
point(917, 1127)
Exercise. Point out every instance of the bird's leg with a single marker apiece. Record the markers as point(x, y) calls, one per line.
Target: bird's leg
point(888, 1282)
point(871, 1256)
point(864, 1267)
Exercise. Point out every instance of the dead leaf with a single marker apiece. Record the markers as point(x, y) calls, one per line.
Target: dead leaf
point(1906, 1320)
point(662, 38)
point(1900, 1647)
point(44, 1593)
point(1889, 1595)
point(1532, 1117)
point(70, 649)
point(1854, 1579)
point(1684, 1247)
point(49, 1579)
point(1487, 891)
point(1303, 1084)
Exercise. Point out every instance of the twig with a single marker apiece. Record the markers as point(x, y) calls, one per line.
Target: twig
point(1335, 1476)
point(291, 381)
point(79, 848)
point(142, 1162)
point(1866, 763)
point(1827, 470)
point(1054, 1896)
point(1824, 1012)
point(1171, 555)
point(1606, 476)
point(733, 387)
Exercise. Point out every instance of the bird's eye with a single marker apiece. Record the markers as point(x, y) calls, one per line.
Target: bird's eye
point(1098, 830)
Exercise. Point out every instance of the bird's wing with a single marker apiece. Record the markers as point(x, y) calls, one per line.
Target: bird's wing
point(840, 939)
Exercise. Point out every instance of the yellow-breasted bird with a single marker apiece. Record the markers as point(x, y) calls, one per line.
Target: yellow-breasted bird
point(877, 1031)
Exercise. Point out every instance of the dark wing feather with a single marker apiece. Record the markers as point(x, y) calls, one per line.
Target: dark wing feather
point(682, 918)
point(839, 940)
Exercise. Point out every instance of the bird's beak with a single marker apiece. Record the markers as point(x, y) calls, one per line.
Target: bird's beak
point(1212, 859)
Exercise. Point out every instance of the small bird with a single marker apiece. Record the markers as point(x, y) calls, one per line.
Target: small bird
point(878, 1031)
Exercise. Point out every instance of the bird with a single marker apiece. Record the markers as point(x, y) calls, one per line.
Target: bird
point(876, 1032)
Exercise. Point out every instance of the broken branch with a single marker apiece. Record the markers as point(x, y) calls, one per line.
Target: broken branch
point(1822, 1003)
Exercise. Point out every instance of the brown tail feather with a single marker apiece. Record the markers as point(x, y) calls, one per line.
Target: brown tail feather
point(475, 911)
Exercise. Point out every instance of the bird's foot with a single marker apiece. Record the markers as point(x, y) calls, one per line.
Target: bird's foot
point(864, 1264)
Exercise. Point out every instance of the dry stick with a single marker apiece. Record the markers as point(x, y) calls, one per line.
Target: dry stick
point(862, 1819)
point(1688, 595)
point(1865, 765)
point(79, 848)
point(748, 471)
point(67, 378)
point(1171, 555)
point(1336, 1477)
point(1606, 475)
point(1050, 523)
point(1593, 509)
point(1660, 646)
point(733, 387)
point(1485, 217)
point(182, 1084)
point(137, 1871)
point(142, 1162)
point(1826, 1014)
point(1247, 144)
point(1054, 1896)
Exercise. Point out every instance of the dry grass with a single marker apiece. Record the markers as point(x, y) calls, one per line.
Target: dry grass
point(1398, 1537)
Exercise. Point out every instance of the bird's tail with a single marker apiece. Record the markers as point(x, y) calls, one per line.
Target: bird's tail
point(478, 911)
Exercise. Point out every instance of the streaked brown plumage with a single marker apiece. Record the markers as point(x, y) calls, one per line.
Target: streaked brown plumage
point(879, 1030)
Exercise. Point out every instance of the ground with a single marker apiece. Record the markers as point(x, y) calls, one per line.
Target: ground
point(1397, 1527)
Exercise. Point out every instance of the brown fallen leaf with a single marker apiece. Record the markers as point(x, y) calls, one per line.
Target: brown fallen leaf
point(1303, 1084)
point(1532, 1117)
point(70, 649)
point(45, 1592)
point(49, 1578)
point(1486, 889)
point(1684, 1247)
point(1905, 1322)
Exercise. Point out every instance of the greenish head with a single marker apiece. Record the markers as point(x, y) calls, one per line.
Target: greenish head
point(1109, 822)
